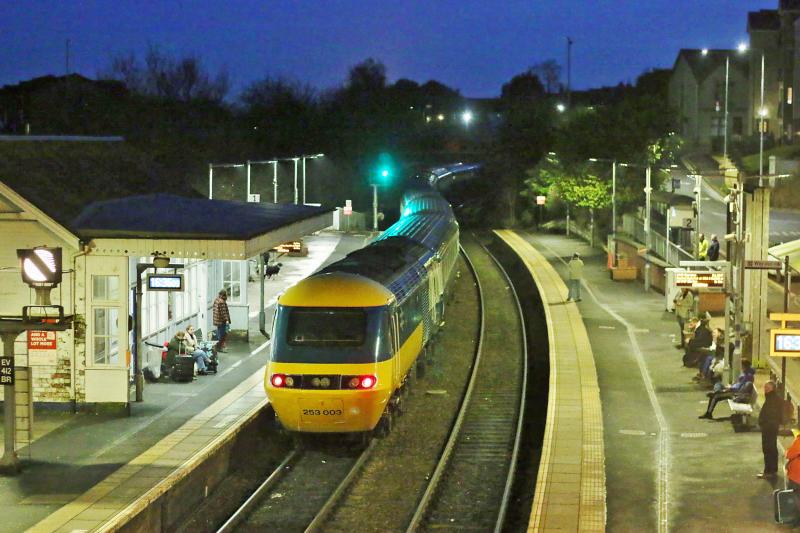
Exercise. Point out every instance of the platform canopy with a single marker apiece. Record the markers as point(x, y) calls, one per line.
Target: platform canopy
point(200, 228)
point(792, 249)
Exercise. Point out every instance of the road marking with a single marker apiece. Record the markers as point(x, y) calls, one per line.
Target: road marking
point(237, 363)
point(694, 435)
point(663, 428)
point(266, 343)
point(606, 327)
point(636, 432)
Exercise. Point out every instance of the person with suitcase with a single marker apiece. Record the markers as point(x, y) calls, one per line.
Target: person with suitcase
point(193, 348)
point(787, 502)
point(179, 363)
point(222, 318)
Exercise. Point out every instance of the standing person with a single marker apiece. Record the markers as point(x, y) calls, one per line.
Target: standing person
point(222, 318)
point(575, 275)
point(713, 249)
point(684, 309)
point(702, 248)
point(769, 420)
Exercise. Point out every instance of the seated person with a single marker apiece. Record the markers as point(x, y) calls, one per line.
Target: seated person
point(716, 346)
point(175, 347)
point(701, 340)
point(740, 391)
point(193, 348)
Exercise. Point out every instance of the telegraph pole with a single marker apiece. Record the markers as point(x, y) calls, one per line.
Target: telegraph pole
point(569, 73)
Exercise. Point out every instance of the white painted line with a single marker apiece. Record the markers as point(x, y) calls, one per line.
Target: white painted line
point(237, 363)
point(260, 348)
point(606, 327)
point(636, 432)
point(694, 435)
point(663, 428)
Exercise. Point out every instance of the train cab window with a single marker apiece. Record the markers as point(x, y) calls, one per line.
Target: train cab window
point(326, 327)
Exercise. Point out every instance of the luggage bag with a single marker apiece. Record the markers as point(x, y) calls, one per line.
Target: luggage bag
point(785, 506)
point(183, 369)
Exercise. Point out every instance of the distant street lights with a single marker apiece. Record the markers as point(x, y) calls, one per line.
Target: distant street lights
point(560, 107)
point(467, 117)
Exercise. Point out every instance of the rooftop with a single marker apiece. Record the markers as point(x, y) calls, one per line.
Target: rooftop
point(703, 64)
point(763, 20)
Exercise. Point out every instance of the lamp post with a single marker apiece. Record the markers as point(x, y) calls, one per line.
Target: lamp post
point(741, 48)
point(295, 159)
point(613, 191)
point(315, 156)
point(212, 166)
point(273, 162)
point(761, 113)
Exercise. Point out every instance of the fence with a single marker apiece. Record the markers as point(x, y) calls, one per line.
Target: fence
point(660, 246)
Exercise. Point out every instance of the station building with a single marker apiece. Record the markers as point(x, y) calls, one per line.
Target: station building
point(102, 242)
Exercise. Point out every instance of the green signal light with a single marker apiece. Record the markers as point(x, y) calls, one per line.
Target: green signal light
point(385, 173)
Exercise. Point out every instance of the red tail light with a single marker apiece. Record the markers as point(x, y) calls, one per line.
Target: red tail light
point(359, 382)
point(278, 380)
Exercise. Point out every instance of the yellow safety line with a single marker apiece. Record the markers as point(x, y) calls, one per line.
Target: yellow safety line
point(591, 507)
point(147, 458)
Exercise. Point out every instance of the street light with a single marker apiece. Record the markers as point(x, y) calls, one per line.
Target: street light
point(315, 156)
point(560, 107)
point(295, 159)
point(212, 166)
point(613, 193)
point(741, 48)
point(467, 117)
point(274, 163)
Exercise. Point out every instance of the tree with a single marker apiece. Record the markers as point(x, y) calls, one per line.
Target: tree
point(549, 72)
point(368, 76)
point(522, 87)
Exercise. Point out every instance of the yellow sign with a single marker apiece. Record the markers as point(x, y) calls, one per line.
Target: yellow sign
point(710, 279)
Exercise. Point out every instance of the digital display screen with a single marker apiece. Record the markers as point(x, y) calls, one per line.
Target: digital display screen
point(165, 282)
point(787, 342)
point(709, 279)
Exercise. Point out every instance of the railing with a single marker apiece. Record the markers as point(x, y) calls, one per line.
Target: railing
point(660, 246)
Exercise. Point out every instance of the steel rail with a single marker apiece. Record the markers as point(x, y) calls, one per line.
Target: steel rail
point(255, 498)
point(333, 501)
point(451, 441)
point(523, 396)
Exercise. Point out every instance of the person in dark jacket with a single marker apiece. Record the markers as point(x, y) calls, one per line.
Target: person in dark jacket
point(713, 249)
point(740, 391)
point(697, 347)
point(769, 420)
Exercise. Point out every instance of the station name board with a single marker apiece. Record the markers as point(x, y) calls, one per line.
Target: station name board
point(707, 279)
point(165, 282)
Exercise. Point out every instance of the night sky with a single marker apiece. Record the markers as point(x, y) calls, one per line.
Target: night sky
point(474, 46)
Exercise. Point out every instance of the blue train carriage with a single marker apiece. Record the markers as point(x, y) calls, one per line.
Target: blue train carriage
point(345, 340)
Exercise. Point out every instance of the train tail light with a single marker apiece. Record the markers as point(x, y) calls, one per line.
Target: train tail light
point(360, 382)
point(278, 380)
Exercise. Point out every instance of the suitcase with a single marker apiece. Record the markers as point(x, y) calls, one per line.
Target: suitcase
point(785, 506)
point(183, 369)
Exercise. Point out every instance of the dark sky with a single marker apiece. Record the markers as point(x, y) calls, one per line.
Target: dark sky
point(472, 45)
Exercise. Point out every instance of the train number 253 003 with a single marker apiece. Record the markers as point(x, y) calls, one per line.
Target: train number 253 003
point(324, 412)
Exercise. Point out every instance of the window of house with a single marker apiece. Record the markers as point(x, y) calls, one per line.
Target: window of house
point(232, 280)
point(106, 336)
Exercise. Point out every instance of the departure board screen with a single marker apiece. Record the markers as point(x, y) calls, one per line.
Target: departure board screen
point(711, 279)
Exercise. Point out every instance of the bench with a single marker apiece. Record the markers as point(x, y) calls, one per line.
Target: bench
point(741, 413)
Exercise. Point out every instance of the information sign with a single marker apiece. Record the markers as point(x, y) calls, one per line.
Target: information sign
point(784, 342)
point(254, 197)
point(702, 279)
point(6, 370)
point(348, 207)
point(540, 200)
point(42, 347)
point(763, 265)
point(165, 282)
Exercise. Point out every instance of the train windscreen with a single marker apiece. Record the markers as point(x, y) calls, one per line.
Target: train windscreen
point(323, 327)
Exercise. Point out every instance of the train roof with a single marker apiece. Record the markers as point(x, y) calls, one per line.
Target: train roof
point(396, 263)
point(336, 289)
point(430, 230)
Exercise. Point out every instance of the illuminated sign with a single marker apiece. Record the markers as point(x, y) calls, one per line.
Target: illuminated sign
point(707, 279)
point(289, 247)
point(784, 343)
point(164, 282)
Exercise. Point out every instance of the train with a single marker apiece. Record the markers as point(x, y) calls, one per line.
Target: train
point(347, 340)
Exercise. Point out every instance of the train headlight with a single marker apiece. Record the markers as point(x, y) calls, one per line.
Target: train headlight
point(354, 383)
point(315, 382)
point(278, 380)
point(289, 381)
point(325, 382)
point(367, 382)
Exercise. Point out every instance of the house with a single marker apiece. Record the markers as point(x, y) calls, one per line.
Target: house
point(697, 94)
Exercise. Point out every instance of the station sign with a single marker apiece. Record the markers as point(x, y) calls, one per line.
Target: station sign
point(254, 197)
point(6, 370)
point(165, 282)
point(763, 265)
point(540, 200)
point(700, 279)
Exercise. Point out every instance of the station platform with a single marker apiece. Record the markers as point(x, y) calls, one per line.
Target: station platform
point(87, 471)
point(665, 468)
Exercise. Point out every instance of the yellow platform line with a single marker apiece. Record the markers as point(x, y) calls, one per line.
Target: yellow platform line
point(570, 492)
point(154, 456)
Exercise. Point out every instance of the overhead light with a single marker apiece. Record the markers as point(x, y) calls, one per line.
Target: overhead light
point(704, 52)
point(742, 48)
point(561, 107)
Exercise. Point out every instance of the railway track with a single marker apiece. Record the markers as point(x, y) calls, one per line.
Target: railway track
point(471, 485)
point(316, 489)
